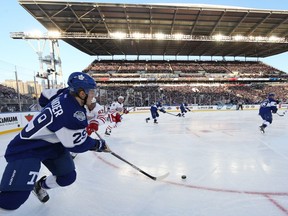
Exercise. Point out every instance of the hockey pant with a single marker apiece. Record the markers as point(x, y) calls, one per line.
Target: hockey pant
point(115, 120)
point(24, 173)
point(267, 119)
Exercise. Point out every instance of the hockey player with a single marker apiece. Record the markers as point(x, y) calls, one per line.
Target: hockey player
point(48, 139)
point(95, 116)
point(267, 107)
point(183, 108)
point(154, 112)
point(47, 95)
point(94, 111)
point(114, 116)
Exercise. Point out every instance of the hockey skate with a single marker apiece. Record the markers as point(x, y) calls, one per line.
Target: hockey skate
point(262, 129)
point(40, 192)
point(179, 115)
point(155, 121)
point(147, 119)
point(107, 132)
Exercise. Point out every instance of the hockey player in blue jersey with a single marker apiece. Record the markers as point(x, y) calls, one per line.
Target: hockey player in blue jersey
point(183, 108)
point(154, 111)
point(267, 107)
point(48, 139)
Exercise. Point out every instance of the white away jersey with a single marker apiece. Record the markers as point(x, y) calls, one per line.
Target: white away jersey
point(115, 107)
point(97, 114)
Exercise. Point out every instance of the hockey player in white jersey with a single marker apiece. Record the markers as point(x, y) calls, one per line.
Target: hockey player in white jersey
point(114, 115)
point(95, 116)
point(48, 139)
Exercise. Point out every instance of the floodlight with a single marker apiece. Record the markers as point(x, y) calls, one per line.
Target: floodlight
point(148, 36)
point(218, 37)
point(159, 36)
point(35, 33)
point(118, 35)
point(273, 38)
point(238, 37)
point(178, 36)
point(137, 35)
point(54, 34)
point(259, 38)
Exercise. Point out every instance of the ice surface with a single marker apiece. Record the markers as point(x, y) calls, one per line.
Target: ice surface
point(232, 169)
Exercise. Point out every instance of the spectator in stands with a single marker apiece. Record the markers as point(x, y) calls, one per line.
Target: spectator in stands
point(4, 109)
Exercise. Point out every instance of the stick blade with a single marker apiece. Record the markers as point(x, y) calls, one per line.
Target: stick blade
point(159, 178)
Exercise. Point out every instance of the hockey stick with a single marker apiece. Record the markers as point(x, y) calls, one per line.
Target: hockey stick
point(127, 111)
point(172, 114)
point(135, 167)
point(280, 114)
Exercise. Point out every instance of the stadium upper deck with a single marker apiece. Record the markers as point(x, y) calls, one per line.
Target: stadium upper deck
point(107, 72)
point(175, 30)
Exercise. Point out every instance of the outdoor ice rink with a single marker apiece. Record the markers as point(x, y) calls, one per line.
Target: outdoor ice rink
point(232, 169)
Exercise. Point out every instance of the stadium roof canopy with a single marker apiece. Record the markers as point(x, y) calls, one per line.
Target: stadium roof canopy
point(154, 29)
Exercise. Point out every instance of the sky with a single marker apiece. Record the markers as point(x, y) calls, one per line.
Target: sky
point(18, 55)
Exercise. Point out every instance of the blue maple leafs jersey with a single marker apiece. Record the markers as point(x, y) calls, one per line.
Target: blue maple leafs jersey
point(267, 106)
point(183, 107)
point(61, 124)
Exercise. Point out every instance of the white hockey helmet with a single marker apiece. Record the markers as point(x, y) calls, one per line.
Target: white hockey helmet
point(120, 98)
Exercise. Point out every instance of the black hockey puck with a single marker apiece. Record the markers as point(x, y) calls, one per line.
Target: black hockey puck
point(183, 176)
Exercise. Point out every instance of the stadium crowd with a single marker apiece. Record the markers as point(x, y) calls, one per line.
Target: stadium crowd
point(200, 94)
point(169, 95)
point(9, 100)
point(194, 84)
point(238, 68)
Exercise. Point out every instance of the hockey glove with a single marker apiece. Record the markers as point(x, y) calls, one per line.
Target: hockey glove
point(162, 110)
point(101, 146)
point(92, 127)
point(125, 111)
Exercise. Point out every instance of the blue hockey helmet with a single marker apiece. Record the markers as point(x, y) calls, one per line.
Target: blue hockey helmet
point(270, 95)
point(80, 81)
point(158, 104)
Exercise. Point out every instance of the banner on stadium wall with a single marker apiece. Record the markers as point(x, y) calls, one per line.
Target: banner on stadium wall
point(202, 108)
point(10, 122)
